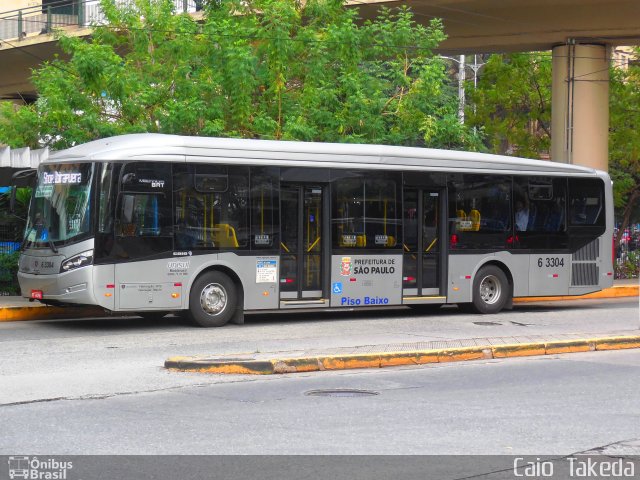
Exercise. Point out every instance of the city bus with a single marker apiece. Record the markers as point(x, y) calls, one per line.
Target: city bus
point(214, 227)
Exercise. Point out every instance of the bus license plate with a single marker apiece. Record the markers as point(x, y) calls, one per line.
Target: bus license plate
point(37, 294)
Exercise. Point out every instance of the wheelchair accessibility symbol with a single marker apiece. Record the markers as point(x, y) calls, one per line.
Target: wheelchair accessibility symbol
point(336, 287)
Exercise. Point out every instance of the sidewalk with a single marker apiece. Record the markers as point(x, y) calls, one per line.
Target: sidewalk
point(14, 309)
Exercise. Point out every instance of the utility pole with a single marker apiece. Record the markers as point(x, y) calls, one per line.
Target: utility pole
point(461, 79)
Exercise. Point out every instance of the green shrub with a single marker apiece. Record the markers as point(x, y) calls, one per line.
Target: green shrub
point(9, 273)
point(630, 267)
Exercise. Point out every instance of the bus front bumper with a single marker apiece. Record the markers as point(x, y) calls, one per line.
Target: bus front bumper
point(74, 287)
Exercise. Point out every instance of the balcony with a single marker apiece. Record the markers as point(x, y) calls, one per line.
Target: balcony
point(18, 25)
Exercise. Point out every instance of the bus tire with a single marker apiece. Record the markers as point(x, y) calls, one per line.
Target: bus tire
point(491, 290)
point(213, 300)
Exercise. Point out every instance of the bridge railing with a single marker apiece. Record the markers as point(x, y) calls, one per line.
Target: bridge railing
point(41, 20)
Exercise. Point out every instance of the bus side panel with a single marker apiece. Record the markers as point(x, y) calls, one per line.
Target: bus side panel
point(549, 274)
point(365, 280)
point(259, 276)
point(150, 285)
point(104, 286)
point(165, 283)
point(463, 269)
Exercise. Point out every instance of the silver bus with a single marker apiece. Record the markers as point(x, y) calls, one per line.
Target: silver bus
point(152, 224)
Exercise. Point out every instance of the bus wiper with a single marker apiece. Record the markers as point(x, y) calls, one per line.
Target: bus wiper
point(52, 246)
point(45, 224)
point(26, 239)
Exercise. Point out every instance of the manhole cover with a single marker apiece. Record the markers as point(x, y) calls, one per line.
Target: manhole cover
point(341, 392)
point(490, 324)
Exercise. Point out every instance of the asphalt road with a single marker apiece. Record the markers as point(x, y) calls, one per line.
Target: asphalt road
point(98, 387)
point(44, 360)
point(555, 405)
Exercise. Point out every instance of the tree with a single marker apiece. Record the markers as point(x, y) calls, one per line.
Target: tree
point(512, 103)
point(513, 107)
point(624, 142)
point(274, 69)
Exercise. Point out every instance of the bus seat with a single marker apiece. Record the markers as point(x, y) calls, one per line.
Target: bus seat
point(474, 216)
point(391, 241)
point(224, 235)
point(361, 241)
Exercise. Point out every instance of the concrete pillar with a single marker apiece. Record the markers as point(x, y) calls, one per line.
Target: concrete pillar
point(580, 105)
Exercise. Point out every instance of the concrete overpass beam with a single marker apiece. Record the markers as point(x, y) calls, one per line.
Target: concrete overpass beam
point(580, 105)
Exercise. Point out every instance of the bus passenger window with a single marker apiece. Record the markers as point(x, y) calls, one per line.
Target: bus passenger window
point(211, 207)
point(264, 224)
point(140, 215)
point(540, 212)
point(365, 211)
point(586, 202)
point(479, 211)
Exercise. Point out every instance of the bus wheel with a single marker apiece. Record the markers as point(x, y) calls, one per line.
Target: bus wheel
point(490, 290)
point(213, 300)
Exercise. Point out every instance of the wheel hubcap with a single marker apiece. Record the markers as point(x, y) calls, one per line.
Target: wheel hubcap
point(490, 289)
point(213, 298)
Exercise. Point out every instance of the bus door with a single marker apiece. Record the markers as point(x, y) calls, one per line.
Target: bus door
point(301, 246)
point(422, 242)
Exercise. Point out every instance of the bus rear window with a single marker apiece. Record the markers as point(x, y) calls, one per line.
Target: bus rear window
point(586, 202)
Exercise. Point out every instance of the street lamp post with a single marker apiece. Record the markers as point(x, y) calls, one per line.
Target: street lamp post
point(461, 79)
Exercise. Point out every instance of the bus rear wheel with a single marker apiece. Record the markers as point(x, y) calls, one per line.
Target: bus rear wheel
point(491, 290)
point(213, 300)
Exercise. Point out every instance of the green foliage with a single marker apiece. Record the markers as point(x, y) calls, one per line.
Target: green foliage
point(513, 103)
point(13, 222)
point(274, 69)
point(624, 142)
point(513, 109)
point(8, 273)
point(630, 266)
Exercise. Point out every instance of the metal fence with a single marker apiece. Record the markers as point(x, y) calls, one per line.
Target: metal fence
point(43, 19)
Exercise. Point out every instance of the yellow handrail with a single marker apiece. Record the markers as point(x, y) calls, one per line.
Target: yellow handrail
point(313, 244)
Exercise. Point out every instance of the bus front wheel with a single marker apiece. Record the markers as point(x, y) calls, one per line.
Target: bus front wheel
point(213, 300)
point(491, 290)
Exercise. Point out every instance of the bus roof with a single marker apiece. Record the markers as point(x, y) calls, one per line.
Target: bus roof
point(175, 148)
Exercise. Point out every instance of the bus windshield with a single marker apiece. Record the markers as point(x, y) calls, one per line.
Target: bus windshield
point(60, 208)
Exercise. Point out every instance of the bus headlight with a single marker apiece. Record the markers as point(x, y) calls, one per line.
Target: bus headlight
point(81, 260)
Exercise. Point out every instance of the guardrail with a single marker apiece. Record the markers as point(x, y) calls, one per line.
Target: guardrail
point(43, 19)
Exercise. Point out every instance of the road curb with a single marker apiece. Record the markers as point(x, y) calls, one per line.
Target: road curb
point(42, 312)
point(314, 363)
point(617, 291)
